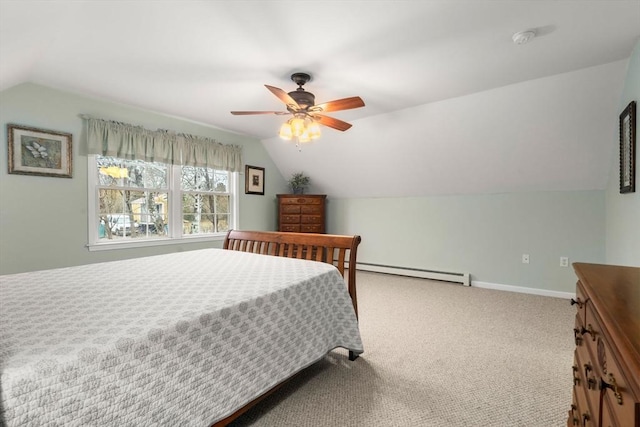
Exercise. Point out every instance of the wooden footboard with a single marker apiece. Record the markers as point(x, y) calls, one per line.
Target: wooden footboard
point(334, 249)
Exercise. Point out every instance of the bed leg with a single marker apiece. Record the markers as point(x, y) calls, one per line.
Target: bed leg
point(353, 356)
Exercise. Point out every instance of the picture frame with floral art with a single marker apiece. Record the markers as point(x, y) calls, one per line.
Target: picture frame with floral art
point(41, 152)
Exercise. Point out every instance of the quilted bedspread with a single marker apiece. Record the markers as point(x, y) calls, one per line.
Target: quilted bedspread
point(180, 339)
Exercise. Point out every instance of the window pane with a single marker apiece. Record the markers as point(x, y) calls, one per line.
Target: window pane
point(199, 224)
point(204, 179)
point(153, 226)
point(221, 182)
point(197, 179)
point(129, 213)
point(222, 223)
point(131, 173)
point(222, 204)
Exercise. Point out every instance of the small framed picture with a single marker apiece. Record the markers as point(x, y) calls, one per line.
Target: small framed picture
point(34, 151)
point(253, 180)
point(628, 149)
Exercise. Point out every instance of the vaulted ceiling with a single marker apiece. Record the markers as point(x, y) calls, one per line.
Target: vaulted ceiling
point(453, 105)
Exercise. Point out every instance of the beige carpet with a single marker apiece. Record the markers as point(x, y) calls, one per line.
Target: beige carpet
point(437, 354)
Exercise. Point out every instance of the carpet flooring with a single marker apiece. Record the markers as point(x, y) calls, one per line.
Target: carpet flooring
point(437, 354)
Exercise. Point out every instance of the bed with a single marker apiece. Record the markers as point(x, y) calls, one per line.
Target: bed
point(190, 338)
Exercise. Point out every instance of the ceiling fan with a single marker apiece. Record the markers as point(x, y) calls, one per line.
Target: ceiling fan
point(307, 115)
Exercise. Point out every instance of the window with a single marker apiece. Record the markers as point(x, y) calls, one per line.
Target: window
point(140, 203)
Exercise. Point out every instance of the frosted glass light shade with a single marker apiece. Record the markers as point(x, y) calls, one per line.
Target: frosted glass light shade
point(297, 126)
point(314, 130)
point(285, 131)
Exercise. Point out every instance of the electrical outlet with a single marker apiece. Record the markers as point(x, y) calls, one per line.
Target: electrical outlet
point(564, 261)
point(525, 258)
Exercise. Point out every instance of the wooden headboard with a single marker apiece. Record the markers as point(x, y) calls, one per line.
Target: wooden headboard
point(330, 248)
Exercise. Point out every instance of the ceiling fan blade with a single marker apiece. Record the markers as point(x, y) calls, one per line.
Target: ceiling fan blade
point(331, 122)
point(340, 104)
point(244, 113)
point(284, 96)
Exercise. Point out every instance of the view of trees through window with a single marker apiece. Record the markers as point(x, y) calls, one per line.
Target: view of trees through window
point(134, 199)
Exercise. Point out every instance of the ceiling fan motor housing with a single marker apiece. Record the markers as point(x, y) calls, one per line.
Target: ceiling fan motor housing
point(303, 98)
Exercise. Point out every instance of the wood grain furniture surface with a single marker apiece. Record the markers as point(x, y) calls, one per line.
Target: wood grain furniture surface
point(301, 213)
point(606, 369)
point(333, 249)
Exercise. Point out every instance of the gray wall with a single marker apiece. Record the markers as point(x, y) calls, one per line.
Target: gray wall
point(43, 221)
point(623, 210)
point(484, 235)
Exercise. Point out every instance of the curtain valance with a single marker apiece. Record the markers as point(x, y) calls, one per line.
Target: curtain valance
point(110, 138)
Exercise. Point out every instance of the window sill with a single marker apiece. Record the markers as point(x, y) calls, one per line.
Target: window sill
point(108, 246)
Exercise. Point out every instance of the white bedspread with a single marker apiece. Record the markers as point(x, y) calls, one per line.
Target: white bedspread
point(179, 339)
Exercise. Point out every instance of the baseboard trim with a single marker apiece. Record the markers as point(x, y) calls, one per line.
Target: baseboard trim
point(523, 290)
point(444, 276)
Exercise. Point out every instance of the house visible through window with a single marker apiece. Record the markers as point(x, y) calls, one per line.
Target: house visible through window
point(135, 200)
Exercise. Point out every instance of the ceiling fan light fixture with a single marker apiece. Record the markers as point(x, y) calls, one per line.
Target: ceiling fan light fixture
point(285, 131)
point(305, 124)
point(304, 137)
point(314, 130)
point(297, 126)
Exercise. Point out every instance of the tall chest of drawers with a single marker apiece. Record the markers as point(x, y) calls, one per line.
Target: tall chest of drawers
point(301, 213)
point(606, 369)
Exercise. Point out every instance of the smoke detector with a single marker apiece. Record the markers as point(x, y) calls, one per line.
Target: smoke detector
point(523, 37)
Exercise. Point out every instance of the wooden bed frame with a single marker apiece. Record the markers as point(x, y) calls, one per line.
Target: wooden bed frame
point(330, 248)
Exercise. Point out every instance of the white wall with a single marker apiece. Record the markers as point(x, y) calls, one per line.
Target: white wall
point(623, 210)
point(43, 221)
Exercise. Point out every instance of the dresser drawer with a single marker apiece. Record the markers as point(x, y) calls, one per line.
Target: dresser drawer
point(608, 420)
point(579, 413)
point(302, 200)
point(310, 209)
point(290, 209)
point(311, 228)
point(310, 219)
point(578, 332)
point(580, 301)
point(290, 219)
point(587, 385)
point(291, 228)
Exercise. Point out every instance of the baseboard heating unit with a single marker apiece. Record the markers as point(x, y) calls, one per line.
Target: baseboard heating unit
point(463, 278)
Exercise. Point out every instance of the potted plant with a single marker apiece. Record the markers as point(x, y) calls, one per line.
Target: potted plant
point(298, 182)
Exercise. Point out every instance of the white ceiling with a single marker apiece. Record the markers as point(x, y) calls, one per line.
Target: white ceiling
point(201, 59)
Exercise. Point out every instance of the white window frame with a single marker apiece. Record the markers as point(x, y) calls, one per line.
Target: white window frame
point(175, 211)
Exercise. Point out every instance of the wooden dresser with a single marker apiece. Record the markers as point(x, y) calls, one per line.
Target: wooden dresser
point(301, 213)
point(606, 368)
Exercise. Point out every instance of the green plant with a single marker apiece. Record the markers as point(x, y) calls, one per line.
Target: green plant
point(298, 182)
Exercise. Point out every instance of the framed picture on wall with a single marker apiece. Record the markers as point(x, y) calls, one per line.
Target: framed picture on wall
point(34, 151)
point(628, 149)
point(253, 180)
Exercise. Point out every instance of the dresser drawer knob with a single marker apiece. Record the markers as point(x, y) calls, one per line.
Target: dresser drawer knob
point(574, 419)
point(613, 386)
point(591, 382)
point(577, 336)
point(577, 301)
point(589, 330)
